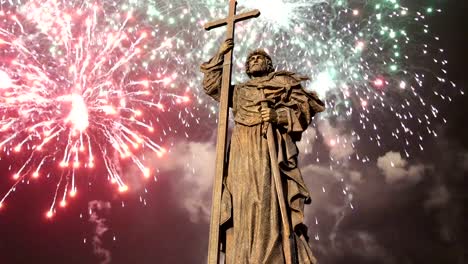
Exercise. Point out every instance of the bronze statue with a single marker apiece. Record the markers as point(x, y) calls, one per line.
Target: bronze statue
point(263, 192)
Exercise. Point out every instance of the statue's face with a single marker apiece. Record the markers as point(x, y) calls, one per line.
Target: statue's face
point(258, 65)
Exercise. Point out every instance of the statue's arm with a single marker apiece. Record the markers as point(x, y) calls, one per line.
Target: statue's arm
point(212, 79)
point(213, 71)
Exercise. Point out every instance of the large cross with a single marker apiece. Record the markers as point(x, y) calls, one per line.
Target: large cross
point(230, 21)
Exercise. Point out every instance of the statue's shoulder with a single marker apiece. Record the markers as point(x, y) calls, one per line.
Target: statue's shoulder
point(276, 79)
point(287, 78)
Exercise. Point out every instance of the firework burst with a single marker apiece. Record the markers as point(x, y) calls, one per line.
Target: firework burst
point(85, 83)
point(375, 63)
point(76, 89)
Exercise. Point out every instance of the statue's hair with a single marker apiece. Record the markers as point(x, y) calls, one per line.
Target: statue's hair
point(264, 54)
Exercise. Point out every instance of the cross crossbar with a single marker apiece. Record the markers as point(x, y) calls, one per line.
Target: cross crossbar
point(237, 18)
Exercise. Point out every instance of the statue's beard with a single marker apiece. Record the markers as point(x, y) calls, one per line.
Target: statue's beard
point(257, 71)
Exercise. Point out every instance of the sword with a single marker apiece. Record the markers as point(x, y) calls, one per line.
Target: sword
point(289, 240)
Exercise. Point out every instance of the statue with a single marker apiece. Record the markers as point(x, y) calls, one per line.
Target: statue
point(258, 193)
point(252, 224)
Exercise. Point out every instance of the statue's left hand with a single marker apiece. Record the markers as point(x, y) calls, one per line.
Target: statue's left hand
point(226, 46)
point(269, 115)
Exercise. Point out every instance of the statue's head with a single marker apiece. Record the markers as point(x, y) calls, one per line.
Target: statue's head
point(258, 63)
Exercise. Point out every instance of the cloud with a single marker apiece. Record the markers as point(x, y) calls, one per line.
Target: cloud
point(331, 191)
point(438, 197)
point(306, 144)
point(357, 244)
point(355, 177)
point(95, 208)
point(396, 169)
point(320, 181)
point(340, 144)
point(193, 165)
point(441, 203)
point(365, 244)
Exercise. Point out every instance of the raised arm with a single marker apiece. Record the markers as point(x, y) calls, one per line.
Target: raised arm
point(213, 70)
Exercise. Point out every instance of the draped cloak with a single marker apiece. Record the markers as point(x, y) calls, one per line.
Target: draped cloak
point(250, 217)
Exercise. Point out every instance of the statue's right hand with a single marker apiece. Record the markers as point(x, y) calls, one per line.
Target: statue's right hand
point(226, 46)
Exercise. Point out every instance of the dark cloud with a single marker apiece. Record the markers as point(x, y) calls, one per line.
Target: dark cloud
point(438, 197)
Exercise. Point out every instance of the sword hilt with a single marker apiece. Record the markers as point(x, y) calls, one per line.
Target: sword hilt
point(265, 124)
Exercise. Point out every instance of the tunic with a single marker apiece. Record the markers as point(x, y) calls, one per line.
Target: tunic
point(250, 216)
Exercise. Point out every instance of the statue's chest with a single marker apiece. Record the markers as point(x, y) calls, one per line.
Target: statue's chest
point(247, 105)
point(249, 97)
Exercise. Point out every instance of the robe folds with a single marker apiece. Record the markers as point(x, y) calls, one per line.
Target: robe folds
point(250, 217)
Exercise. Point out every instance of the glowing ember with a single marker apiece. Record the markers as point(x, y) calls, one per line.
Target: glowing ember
point(5, 81)
point(79, 114)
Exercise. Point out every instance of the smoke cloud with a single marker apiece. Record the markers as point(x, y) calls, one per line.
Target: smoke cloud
point(96, 208)
point(396, 169)
point(339, 142)
point(194, 163)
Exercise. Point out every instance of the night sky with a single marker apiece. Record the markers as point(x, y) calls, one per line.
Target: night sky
point(409, 216)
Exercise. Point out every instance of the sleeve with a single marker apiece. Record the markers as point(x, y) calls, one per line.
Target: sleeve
point(295, 112)
point(213, 72)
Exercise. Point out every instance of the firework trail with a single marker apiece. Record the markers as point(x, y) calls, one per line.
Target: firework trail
point(79, 79)
point(375, 63)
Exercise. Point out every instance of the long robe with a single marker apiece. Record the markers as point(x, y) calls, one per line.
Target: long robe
point(250, 217)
